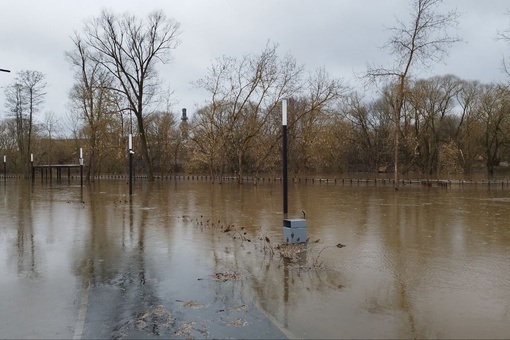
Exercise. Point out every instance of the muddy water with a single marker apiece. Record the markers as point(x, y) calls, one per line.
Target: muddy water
point(420, 263)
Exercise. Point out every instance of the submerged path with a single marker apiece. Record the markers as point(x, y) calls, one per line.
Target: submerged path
point(126, 308)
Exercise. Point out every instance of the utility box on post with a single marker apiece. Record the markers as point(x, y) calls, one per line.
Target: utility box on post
point(294, 230)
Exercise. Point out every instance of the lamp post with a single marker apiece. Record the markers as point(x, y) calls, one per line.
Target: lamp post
point(284, 156)
point(5, 157)
point(130, 154)
point(32, 166)
point(81, 167)
point(130, 147)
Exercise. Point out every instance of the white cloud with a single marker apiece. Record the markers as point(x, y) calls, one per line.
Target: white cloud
point(342, 35)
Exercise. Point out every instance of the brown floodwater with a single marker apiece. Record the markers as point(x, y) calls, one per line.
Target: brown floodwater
point(423, 262)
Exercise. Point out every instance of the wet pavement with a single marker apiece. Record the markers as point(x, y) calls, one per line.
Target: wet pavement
point(127, 311)
point(191, 307)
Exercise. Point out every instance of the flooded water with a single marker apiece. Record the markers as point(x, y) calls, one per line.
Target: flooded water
point(424, 262)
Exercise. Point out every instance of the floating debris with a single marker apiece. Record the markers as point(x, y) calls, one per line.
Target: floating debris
point(141, 324)
point(238, 323)
point(289, 250)
point(191, 304)
point(241, 308)
point(184, 329)
point(157, 316)
point(228, 276)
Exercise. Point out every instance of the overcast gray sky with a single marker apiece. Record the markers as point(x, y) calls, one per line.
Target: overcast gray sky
point(341, 35)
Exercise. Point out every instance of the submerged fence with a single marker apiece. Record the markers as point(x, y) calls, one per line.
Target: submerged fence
point(444, 183)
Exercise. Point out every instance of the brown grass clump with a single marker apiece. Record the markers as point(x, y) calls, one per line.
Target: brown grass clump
point(191, 304)
point(238, 323)
point(156, 316)
point(185, 329)
point(289, 250)
point(227, 276)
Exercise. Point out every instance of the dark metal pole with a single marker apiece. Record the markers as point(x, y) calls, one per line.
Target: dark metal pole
point(5, 158)
point(81, 167)
point(130, 147)
point(32, 166)
point(284, 156)
point(130, 151)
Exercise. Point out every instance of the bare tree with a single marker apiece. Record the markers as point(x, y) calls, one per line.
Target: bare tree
point(420, 43)
point(164, 136)
point(245, 95)
point(7, 138)
point(50, 125)
point(93, 100)
point(468, 129)
point(310, 117)
point(129, 48)
point(15, 104)
point(492, 113)
point(24, 98)
point(205, 131)
point(504, 36)
point(430, 105)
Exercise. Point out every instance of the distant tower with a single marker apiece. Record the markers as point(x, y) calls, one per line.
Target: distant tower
point(184, 118)
point(184, 124)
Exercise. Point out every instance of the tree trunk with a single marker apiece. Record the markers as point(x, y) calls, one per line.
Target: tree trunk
point(396, 154)
point(240, 167)
point(145, 149)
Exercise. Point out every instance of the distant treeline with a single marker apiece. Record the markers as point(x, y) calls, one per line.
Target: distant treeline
point(448, 126)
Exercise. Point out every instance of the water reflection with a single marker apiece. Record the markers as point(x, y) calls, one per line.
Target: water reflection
point(25, 243)
point(423, 262)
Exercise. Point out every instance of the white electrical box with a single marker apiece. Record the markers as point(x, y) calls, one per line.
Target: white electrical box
point(294, 230)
